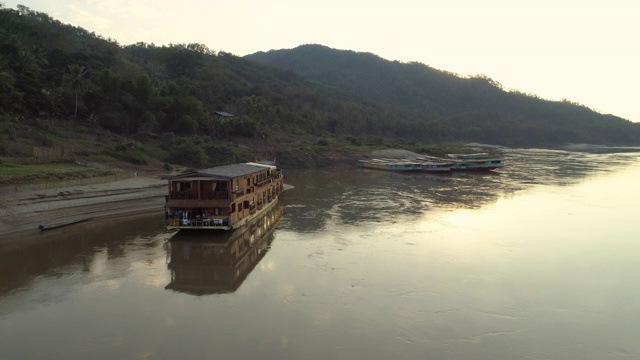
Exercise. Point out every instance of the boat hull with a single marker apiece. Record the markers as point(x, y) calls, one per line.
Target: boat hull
point(476, 162)
point(62, 224)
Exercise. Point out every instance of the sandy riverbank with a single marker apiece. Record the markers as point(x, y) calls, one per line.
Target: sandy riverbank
point(26, 210)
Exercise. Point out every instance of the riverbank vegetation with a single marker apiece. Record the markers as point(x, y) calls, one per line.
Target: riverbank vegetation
point(69, 95)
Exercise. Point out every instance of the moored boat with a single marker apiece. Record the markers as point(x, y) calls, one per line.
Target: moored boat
point(390, 164)
point(476, 162)
point(402, 165)
point(432, 164)
point(223, 197)
point(426, 163)
point(61, 224)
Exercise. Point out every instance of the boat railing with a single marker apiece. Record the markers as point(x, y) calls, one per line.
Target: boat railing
point(209, 195)
point(239, 192)
point(183, 195)
point(212, 222)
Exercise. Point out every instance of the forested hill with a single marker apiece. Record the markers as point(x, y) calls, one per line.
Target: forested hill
point(448, 106)
point(53, 71)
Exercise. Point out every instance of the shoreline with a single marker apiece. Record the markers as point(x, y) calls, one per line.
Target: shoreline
point(23, 211)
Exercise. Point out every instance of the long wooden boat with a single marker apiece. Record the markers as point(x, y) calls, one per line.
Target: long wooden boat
point(390, 164)
point(403, 165)
point(426, 163)
point(223, 197)
point(476, 162)
point(431, 164)
point(61, 224)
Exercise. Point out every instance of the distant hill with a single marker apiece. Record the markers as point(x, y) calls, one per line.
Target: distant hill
point(311, 96)
point(446, 106)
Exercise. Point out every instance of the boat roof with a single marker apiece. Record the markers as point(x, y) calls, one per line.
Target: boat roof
point(468, 156)
point(224, 172)
point(268, 165)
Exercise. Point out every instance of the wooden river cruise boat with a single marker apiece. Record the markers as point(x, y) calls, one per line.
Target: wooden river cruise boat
point(204, 262)
point(223, 197)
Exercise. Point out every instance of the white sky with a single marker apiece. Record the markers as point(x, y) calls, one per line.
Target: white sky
point(585, 51)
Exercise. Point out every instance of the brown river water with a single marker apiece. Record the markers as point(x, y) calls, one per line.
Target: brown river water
point(536, 261)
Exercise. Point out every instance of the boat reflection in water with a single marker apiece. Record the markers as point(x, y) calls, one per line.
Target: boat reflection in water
point(217, 262)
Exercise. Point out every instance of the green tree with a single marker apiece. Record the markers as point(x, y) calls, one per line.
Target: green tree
point(9, 95)
point(77, 82)
point(6, 79)
point(187, 152)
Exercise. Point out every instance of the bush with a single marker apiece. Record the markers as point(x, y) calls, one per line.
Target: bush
point(132, 156)
point(353, 140)
point(42, 140)
point(83, 129)
point(129, 151)
point(187, 153)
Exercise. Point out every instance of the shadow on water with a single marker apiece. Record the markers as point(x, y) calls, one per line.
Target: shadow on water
point(206, 262)
point(324, 198)
point(50, 253)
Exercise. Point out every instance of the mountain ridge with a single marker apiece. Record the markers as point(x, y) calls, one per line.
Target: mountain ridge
point(428, 94)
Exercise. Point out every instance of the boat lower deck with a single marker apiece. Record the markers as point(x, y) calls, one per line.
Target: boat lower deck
point(215, 224)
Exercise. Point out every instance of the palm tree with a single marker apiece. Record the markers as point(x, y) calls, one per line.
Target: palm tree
point(6, 79)
point(76, 81)
point(27, 62)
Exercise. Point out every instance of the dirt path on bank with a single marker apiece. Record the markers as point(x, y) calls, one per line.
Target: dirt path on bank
point(26, 210)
